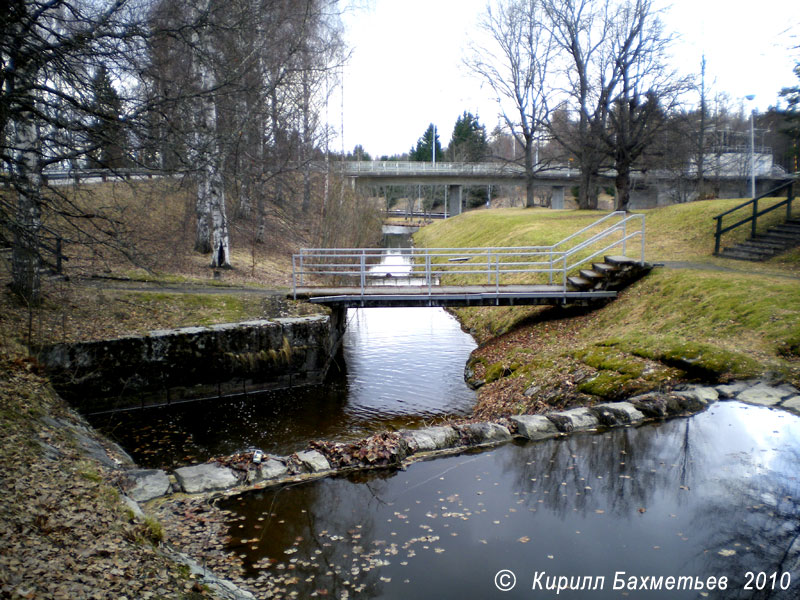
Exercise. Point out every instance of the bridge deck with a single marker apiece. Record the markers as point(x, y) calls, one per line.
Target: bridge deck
point(467, 295)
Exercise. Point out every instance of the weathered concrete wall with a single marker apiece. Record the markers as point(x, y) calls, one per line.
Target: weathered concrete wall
point(194, 362)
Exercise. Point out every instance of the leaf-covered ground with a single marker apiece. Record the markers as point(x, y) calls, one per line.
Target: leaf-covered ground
point(64, 531)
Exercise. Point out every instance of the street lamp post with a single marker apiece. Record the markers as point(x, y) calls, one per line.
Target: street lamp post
point(750, 97)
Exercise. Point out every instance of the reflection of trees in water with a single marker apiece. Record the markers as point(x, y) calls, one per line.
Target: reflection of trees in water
point(327, 527)
point(618, 471)
point(759, 519)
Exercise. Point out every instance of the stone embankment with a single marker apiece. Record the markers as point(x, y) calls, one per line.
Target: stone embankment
point(192, 362)
point(395, 450)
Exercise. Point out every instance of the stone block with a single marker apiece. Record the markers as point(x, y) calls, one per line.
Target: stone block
point(486, 433)
point(582, 419)
point(147, 484)
point(207, 477)
point(313, 461)
point(731, 390)
point(419, 440)
point(534, 427)
point(612, 414)
point(761, 394)
point(652, 404)
point(792, 404)
point(272, 469)
point(443, 436)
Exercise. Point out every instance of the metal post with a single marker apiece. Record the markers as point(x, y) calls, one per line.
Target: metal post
point(755, 217)
point(717, 235)
point(789, 198)
point(564, 274)
point(363, 271)
point(752, 157)
point(294, 281)
point(550, 272)
point(624, 234)
point(497, 277)
point(641, 259)
point(301, 267)
point(488, 267)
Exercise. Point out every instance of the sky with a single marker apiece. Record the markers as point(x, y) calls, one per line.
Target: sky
point(406, 68)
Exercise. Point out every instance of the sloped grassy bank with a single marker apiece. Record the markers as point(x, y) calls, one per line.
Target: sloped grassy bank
point(702, 322)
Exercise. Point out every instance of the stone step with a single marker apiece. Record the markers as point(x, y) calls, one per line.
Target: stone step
point(579, 283)
point(760, 242)
point(782, 233)
point(604, 268)
point(619, 260)
point(591, 275)
point(732, 254)
point(753, 249)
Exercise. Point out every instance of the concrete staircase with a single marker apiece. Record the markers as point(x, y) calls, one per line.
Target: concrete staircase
point(614, 273)
point(775, 240)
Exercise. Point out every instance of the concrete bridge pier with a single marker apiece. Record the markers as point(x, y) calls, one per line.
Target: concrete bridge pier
point(454, 201)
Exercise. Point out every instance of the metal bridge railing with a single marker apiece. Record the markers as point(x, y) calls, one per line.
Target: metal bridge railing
point(521, 265)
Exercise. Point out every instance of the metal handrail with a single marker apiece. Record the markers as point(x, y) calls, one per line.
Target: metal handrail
point(429, 264)
point(753, 217)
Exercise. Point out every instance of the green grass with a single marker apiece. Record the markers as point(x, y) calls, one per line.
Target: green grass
point(716, 320)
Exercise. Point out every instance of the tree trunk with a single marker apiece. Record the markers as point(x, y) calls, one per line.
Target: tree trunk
point(202, 237)
point(623, 185)
point(220, 256)
point(530, 200)
point(25, 258)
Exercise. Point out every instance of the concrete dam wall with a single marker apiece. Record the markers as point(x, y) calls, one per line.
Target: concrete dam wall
point(194, 362)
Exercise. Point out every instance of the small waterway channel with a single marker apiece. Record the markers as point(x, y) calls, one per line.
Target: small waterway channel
point(399, 367)
point(715, 496)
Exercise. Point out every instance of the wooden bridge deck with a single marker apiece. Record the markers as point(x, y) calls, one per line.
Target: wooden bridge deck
point(446, 295)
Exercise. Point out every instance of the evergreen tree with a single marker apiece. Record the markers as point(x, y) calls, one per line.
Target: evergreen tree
point(792, 127)
point(106, 133)
point(469, 142)
point(423, 151)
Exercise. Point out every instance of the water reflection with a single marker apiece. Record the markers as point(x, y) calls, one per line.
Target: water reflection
point(399, 368)
point(687, 497)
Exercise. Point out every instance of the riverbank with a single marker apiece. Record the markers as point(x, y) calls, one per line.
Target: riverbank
point(711, 321)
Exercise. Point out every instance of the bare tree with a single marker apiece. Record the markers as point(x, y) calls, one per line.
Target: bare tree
point(517, 66)
point(581, 31)
point(642, 88)
point(50, 53)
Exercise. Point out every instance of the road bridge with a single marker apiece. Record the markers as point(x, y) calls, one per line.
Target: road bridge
point(648, 189)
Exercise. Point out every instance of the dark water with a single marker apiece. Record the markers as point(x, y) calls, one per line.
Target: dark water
point(712, 495)
point(400, 367)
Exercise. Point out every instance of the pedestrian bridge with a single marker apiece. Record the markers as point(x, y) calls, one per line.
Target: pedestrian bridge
point(588, 266)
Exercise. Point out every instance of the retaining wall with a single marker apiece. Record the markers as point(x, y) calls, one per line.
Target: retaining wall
point(193, 362)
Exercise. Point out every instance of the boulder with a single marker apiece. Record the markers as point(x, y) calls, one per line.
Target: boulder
point(534, 427)
point(792, 404)
point(613, 414)
point(313, 461)
point(272, 469)
point(146, 484)
point(652, 404)
point(207, 477)
point(443, 436)
point(582, 419)
point(762, 394)
point(419, 440)
point(730, 390)
point(485, 433)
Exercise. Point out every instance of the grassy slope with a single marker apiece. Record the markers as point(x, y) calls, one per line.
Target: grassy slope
point(705, 322)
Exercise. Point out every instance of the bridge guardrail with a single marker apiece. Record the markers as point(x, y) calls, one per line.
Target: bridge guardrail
point(360, 267)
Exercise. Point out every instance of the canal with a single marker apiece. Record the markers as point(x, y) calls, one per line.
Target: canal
point(703, 498)
point(399, 367)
